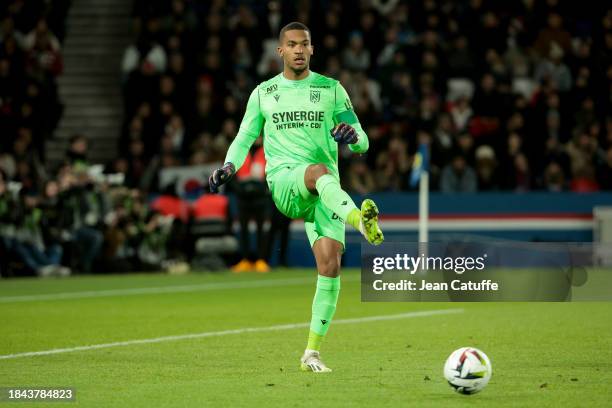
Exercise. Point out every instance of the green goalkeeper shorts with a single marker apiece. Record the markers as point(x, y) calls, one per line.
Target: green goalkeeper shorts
point(293, 199)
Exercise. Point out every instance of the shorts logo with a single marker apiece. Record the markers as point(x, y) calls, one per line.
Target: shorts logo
point(336, 217)
point(315, 96)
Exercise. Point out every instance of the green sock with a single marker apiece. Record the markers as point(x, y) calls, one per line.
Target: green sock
point(354, 218)
point(323, 309)
point(314, 341)
point(334, 197)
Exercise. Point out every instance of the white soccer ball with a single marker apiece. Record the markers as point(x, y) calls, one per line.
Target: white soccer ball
point(468, 370)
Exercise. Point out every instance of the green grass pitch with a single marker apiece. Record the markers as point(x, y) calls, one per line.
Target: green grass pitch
point(543, 354)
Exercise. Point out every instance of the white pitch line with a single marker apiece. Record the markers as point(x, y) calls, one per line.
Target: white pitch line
point(408, 315)
point(164, 289)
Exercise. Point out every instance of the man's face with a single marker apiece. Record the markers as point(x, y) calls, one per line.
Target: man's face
point(459, 164)
point(79, 146)
point(295, 49)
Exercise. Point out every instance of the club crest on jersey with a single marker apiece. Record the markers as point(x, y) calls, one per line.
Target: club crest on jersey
point(315, 96)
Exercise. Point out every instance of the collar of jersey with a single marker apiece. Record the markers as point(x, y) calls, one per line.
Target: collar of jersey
point(297, 82)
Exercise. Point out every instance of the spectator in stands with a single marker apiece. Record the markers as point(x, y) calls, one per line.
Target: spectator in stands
point(554, 178)
point(444, 137)
point(168, 91)
point(487, 100)
point(520, 179)
point(486, 169)
point(181, 14)
point(461, 112)
point(82, 214)
point(52, 222)
point(393, 165)
point(28, 168)
point(142, 64)
point(145, 56)
point(604, 171)
point(360, 179)
point(116, 253)
point(43, 52)
point(461, 61)
point(176, 133)
point(154, 234)
point(584, 181)
point(76, 154)
point(7, 213)
point(555, 151)
point(458, 177)
point(8, 31)
point(554, 70)
point(553, 126)
point(136, 163)
point(553, 33)
point(401, 95)
point(356, 57)
point(44, 258)
point(582, 151)
point(465, 147)
point(585, 115)
point(367, 101)
point(10, 92)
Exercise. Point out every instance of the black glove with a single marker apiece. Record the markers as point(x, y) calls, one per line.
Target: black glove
point(221, 176)
point(344, 134)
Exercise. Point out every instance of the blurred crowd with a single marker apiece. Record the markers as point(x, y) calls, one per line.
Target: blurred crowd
point(510, 95)
point(81, 220)
point(31, 36)
point(54, 222)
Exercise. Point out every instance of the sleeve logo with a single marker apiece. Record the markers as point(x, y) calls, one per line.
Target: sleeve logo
point(271, 89)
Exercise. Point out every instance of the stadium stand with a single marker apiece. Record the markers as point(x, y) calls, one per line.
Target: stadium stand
point(517, 78)
point(511, 96)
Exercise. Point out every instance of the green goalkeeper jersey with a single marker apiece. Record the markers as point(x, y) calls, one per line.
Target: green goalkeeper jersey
point(296, 117)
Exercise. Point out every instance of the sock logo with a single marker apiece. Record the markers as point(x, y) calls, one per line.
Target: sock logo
point(323, 322)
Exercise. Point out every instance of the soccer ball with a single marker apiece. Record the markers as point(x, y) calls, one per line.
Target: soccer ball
point(468, 370)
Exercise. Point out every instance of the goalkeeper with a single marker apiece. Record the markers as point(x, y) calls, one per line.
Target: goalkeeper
point(305, 116)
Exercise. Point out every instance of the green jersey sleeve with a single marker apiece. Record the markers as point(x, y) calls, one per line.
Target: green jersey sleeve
point(250, 129)
point(344, 112)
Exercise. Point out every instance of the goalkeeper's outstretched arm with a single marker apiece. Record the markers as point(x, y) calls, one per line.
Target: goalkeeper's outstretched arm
point(344, 113)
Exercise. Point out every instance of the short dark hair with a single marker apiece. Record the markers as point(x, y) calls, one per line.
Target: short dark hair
point(77, 137)
point(294, 25)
